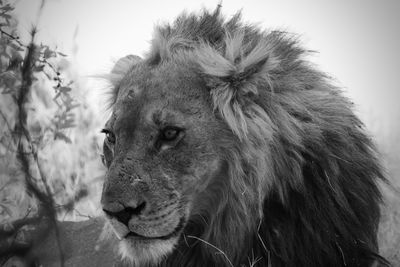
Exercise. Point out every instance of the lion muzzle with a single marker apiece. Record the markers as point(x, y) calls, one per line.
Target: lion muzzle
point(133, 214)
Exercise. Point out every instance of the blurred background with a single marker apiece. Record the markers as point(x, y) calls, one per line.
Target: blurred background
point(356, 42)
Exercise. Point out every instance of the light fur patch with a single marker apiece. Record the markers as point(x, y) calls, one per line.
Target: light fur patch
point(146, 253)
point(233, 76)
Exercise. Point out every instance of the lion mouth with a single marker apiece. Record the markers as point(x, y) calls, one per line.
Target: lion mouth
point(178, 228)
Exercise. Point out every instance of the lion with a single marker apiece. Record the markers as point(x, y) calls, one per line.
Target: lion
point(226, 147)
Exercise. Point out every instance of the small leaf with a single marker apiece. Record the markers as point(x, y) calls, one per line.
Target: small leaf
point(64, 89)
point(57, 96)
point(16, 47)
point(73, 106)
point(47, 75)
point(6, 16)
point(82, 192)
point(67, 124)
point(62, 54)
point(7, 7)
point(61, 136)
point(48, 53)
point(38, 68)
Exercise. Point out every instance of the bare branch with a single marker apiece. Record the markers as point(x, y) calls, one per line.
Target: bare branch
point(25, 144)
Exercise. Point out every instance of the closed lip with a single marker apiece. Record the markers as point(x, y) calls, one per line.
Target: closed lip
point(178, 228)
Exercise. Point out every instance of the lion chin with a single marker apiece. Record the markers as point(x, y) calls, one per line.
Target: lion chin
point(141, 249)
point(138, 250)
point(146, 252)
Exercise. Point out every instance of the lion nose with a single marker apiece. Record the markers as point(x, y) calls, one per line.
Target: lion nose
point(124, 213)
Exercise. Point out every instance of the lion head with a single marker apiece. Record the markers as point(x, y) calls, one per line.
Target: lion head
point(225, 147)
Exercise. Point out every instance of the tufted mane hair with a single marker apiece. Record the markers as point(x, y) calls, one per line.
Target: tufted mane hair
point(301, 173)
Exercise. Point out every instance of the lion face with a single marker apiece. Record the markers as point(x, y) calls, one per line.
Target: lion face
point(161, 153)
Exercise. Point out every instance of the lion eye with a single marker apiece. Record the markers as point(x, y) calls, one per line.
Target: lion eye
point(110, 137)
point(170, 133)
point(169, 137)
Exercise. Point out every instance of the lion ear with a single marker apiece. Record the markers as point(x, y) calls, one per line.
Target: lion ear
point(118, 72)
point(234, 76)
point(121, 67)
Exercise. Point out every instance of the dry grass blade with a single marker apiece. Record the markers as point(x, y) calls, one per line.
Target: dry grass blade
point(252, 263)
point(263, 244)
point(211, 245)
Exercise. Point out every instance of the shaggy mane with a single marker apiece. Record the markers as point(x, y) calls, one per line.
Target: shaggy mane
point(301, 186)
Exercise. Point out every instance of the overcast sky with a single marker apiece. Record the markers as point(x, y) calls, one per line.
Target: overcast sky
point(358, 40)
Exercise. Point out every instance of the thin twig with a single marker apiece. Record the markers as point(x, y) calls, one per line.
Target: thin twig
point(5, 120)
point(45, 61)
point(82, 215)
point(263, 244)
point(14, 38)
